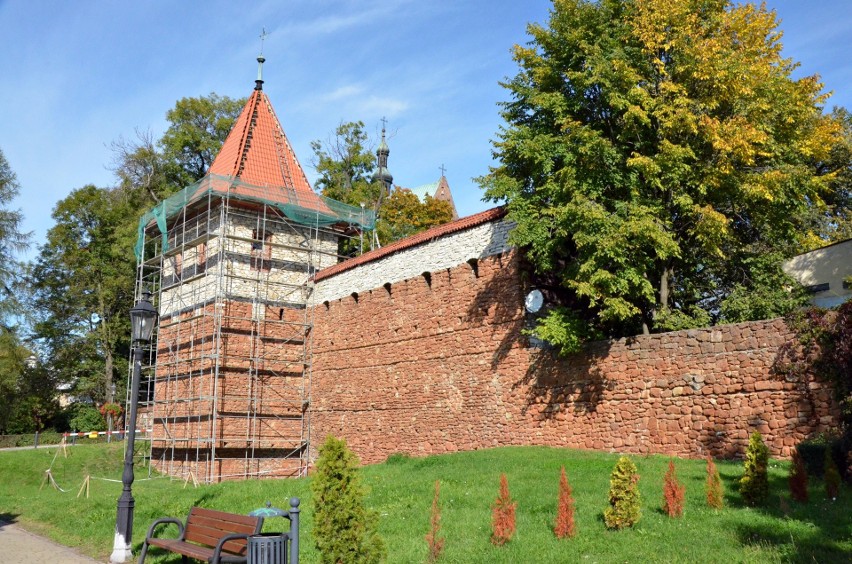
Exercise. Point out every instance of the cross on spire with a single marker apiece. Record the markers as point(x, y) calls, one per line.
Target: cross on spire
point(443, 170)
point(258, 84)
point(263, 35)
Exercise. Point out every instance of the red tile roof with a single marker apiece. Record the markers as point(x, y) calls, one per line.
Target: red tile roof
point(413, 241)
point(257, 151)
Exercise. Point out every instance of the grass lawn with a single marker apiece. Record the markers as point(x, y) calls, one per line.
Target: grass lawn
point(401, 492)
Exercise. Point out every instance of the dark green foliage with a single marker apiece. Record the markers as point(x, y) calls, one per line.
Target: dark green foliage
point(624, 503)
point(813, 453)
point(798, 479)
point(754, 484)
point(86, 418)
point(344, 530)
point(832, 477)
point(652, 190)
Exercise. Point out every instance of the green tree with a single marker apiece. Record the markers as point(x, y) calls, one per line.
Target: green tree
point(13, 241)
point(344, 530)
point(345, 164)
point(754, 483)
point(13, 356)
point(197, 129)
point(653, 149)
point(624, 502)
point(83, 283)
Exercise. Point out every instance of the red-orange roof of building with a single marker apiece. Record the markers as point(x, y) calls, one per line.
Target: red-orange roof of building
point(413, 241)
point(258, 152)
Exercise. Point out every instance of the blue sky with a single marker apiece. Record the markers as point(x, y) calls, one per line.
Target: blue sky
point(77, 75)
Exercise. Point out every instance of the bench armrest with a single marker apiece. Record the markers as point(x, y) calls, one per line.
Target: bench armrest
point(217, 552)
point(163, 521)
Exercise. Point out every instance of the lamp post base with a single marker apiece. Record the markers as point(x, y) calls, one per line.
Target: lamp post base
point(121, 550)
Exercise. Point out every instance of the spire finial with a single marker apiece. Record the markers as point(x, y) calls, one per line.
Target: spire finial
point(384, 122)
point(263, 35)
point(258, 84)
point(443, 170)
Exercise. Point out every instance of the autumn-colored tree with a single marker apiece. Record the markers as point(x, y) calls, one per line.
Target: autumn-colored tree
point(503, 515)
point(565, 526)
point(654, 151)
point(754, 483)
point(713, 486)
point(673, 493)
point(798, 479)
point(433, 539)
point(624, 502)
point(403, 214)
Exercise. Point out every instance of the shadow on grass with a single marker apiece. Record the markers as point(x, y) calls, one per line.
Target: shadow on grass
point(8, 519)
point(810, 532)
point(816, 547)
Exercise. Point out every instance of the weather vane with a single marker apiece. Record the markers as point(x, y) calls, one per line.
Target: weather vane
point(263, 35)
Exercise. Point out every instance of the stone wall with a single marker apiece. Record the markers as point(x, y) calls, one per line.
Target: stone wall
point(437, 363)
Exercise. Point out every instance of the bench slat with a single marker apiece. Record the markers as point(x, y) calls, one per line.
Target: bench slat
point(180, 547)
point(205, 528)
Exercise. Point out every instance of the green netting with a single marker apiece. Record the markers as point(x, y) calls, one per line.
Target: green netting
point(305, 208)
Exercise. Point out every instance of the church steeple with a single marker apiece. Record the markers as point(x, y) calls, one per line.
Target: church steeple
point(382, 173)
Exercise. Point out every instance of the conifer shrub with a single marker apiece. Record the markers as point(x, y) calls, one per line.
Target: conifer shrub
point(831, 477)
point(565, 527)
point(344, 530)
point(713, 486)
point(673, 493)
point(624, 503)
point(503, 515)
point(798, 480)
point(754, 484)
point(433, 539)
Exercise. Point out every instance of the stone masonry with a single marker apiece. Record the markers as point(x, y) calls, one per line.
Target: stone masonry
point(428, 362)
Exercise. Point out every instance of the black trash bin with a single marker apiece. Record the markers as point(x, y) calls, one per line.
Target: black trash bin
point(267, 548)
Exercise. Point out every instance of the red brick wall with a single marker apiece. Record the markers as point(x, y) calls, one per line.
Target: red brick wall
point(444, 368)
point(186, 400)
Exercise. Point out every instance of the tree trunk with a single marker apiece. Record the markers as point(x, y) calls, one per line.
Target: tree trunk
point(665, 278)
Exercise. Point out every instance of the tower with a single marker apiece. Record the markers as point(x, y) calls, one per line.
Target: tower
point(230, 259)
point(382, 173)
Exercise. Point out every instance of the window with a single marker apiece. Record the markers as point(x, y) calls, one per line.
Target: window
point(261, 249)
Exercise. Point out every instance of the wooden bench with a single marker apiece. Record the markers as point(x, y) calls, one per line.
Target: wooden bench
point(209, 535)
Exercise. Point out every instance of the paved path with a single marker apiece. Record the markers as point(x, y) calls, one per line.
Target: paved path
point(18, 546)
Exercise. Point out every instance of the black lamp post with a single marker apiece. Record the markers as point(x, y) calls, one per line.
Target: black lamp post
point(143, 317)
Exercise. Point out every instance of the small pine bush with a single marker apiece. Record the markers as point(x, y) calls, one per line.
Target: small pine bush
point(624, 505)
point(832, 477)
point(503, 515)
point(565, 526)
point(798, 480)
point(754, 484)
point(673, 493)
point(433, 541)
point(344, 531)
point(713, 487)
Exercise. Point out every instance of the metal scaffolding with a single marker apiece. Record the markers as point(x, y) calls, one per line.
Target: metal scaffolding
point(228, 385)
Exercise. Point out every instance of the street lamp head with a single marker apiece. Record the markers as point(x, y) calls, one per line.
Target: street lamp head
point(143, 316)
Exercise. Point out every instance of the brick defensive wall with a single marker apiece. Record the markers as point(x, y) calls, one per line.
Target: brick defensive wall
point(418, 348)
